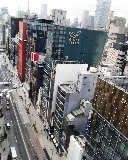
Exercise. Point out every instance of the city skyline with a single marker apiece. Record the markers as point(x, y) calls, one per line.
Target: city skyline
point(71, 8)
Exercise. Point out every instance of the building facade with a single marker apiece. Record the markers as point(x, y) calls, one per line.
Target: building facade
point(2, 33)
point(43, 12)
point(116, 28)
point(22, 50)
point(36, 43)
point(74, 44)
point(108, 132)
point(101, 14)
point(85, 19)
point(56, 72)
point(13, 29)
point(58, 16)
point(84, 45)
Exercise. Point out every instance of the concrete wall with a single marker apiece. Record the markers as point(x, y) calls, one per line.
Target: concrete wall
point(65, 72)
point(75, 151)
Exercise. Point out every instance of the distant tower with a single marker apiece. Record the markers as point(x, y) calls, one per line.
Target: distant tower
point(85, 19)
point(28, 8)
point(101, 14)
point(43, 12)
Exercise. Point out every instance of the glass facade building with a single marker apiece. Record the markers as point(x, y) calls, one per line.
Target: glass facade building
point(101, 14)
point(108, 131)
point(84, 45)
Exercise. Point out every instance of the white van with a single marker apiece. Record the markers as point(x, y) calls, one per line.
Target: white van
point(13, 153)
point(8, 126)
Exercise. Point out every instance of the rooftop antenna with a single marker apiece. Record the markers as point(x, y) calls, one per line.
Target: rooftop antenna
point(28, 8)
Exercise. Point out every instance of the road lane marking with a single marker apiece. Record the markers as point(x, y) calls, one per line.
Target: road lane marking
point(20, 130)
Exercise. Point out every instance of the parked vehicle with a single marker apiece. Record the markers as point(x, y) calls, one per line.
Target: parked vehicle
point(7, 102)
point(8, 108)
point(13, 153)
point(8, 126)
point(15, 86)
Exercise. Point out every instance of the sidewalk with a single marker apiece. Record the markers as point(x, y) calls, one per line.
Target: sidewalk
point(41, 135)
point(34, 119)
point(5, 143)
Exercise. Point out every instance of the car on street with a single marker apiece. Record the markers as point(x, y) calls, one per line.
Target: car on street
point(8, 108)
point(15, 86)
point(8, 126)
point(1, 95)
point(7, 102)
point(13, 153)
point(21, 85)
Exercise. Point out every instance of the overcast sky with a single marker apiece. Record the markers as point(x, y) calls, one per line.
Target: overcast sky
point(74, 8)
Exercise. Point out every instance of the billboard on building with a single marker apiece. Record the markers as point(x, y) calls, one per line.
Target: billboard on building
point(37, 57)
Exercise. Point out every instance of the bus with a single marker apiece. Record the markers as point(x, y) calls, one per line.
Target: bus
point(13, 153)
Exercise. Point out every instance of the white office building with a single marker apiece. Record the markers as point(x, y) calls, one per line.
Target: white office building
point(76, 23)
point(85, 19)
point(101, 14)
point(64, 73)
point(43, 12)
point(58, 16)
point(91, 22)
point(76, 150)
point(116, 28)
point(21, 14)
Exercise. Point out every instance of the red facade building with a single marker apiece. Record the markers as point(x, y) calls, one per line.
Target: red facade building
point(22, 50)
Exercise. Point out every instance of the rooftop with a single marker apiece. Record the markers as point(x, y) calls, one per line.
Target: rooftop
point(69, 87)
point(118, 81)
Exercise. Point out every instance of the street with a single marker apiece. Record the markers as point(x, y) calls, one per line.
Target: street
point(21, 135)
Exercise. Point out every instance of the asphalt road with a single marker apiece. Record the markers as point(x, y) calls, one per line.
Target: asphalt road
point(21, 134)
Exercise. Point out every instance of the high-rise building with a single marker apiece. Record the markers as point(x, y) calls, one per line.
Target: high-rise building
point(91, 22)
point(116, 28)
point(75, 24)
point(126, 67)
point(4, 13)
point(101, 14)
point(58, 16)
point(72, 44)
point(22, 50)
point(20, 14)
point(85, 19)
point(4, 10)
point(43, 12)
point(2, 33)
point(13, 29)
point(106, 136)
point(36, 36)
point(108, 131)
point(56, 72)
